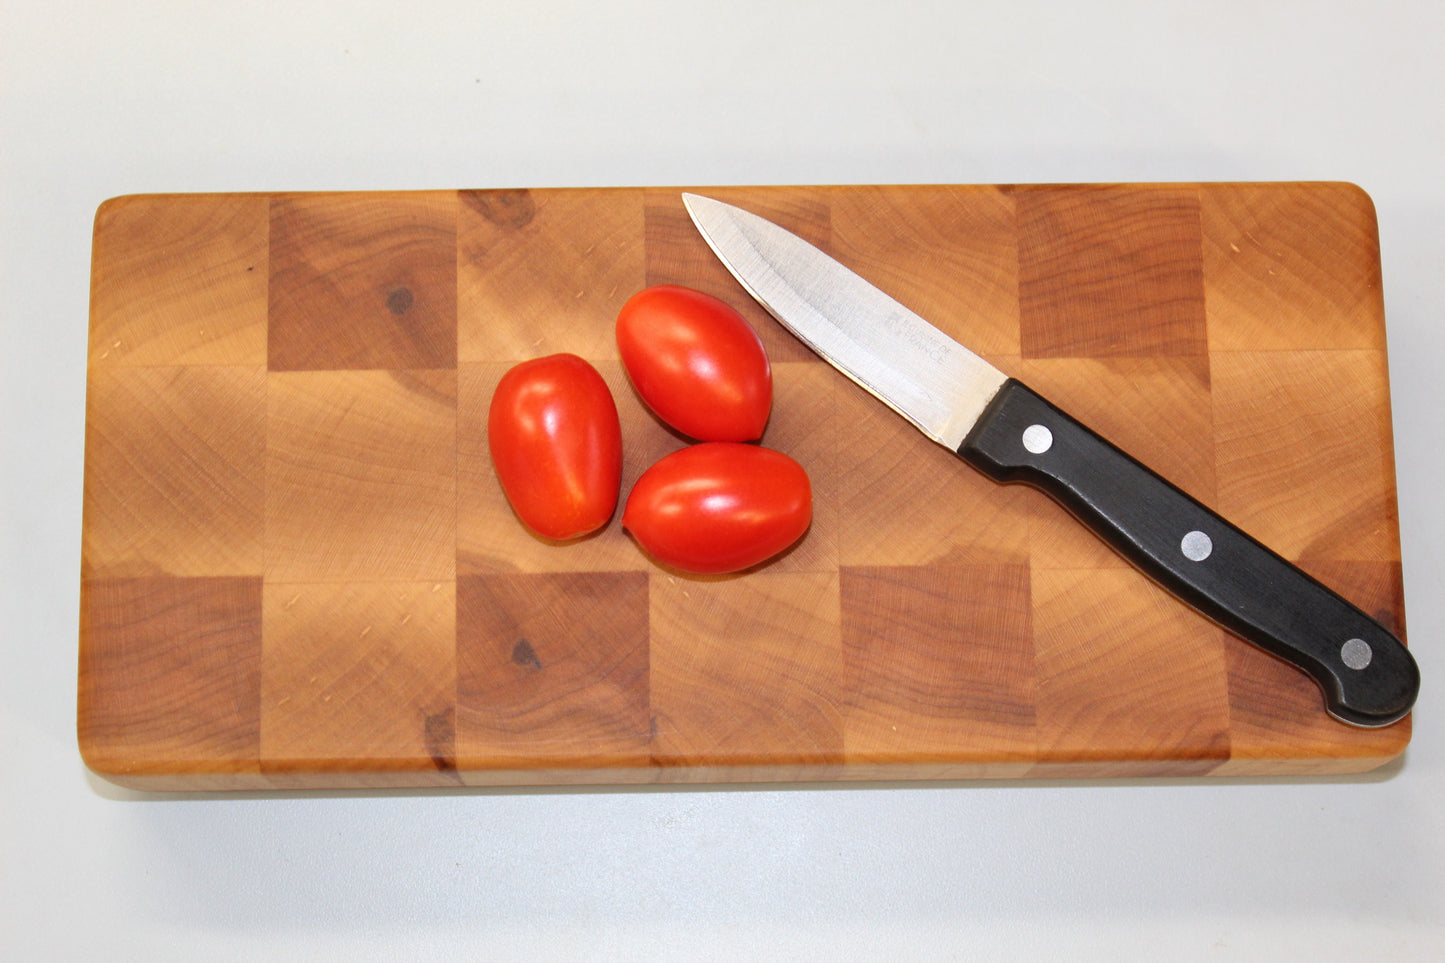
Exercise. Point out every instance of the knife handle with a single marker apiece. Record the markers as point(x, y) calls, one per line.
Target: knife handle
point(1367, 675)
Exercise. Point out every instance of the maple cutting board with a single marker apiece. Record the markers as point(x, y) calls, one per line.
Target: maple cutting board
point(299, 569)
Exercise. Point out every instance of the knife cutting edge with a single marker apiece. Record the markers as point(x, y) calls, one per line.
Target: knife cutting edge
point(1011, 434)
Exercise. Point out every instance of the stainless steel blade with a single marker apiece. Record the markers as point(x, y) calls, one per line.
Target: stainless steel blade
point(907, 363)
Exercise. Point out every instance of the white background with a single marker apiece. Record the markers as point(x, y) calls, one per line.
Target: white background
point(109, 98)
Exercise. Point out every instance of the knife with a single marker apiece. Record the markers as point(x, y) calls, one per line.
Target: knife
point(1004, 429)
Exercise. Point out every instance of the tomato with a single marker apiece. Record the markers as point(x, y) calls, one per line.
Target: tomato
point(719, 507)
point(697, 363)
point(556, 443)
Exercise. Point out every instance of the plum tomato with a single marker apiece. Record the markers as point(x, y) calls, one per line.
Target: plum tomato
point(556, 443)
point(696, 362)
point(719, 507)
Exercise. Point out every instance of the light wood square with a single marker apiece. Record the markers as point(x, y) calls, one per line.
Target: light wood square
point(1303, 452)
point(545, 271)
point(358, 678)
point(180, 280)
point(1291, 267)
point(1130, 680)
point(174, 471)
point(745, 671)
point(361, 475)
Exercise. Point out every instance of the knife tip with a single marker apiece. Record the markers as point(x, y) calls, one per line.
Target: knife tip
point(702, 208)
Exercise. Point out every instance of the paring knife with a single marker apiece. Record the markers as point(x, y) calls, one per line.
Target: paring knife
point(1011, 434)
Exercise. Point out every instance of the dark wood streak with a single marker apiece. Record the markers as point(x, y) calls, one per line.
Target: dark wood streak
point(440, 733)
point(512, 209)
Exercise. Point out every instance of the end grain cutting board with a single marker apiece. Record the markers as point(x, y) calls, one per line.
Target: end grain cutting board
point(299, 570)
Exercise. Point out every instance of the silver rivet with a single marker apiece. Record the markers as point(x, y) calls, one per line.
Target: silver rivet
point(1038, 439)
point(1356, 653)
point(1196, 546)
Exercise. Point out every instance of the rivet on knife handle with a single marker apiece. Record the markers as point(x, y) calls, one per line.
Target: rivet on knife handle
point(1367, 675)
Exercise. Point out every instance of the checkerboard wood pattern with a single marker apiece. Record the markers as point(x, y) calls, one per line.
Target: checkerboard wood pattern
point(299, 569)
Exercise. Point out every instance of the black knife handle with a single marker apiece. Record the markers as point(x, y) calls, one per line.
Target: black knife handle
point(1367, 675)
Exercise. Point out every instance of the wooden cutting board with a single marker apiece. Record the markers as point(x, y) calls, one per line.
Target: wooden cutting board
point(299, 570)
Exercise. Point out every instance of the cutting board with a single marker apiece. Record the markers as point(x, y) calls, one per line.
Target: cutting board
point(299, 569)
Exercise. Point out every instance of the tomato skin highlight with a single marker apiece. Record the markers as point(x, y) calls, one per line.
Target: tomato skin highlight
point(719, 507)
point(556, 443)
point(696, 362)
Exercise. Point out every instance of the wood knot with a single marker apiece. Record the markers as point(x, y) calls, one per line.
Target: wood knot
point(524, 655)
point(398, 302)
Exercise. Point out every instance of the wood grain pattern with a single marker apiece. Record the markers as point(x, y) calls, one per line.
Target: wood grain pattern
point(363, 281)
point(360, 475)
point(1114, 659)
point(143, 516)
point(358, 678)
point(774, 709)
point(299, 571)
point(1110, 271)
point(170, 681)
point(180, 280)
point(939, 656)
point(554, 672)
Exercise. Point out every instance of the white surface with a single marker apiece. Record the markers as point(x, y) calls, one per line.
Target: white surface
point(103, 99)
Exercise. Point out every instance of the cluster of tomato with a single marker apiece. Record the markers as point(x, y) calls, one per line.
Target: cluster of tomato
point(721, 505)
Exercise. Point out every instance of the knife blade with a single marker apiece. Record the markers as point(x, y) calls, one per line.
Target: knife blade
point(1013, 435)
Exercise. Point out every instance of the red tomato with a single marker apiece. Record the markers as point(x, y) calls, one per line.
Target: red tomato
point(556, 443)
point(719, 507)
point(697, 363)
